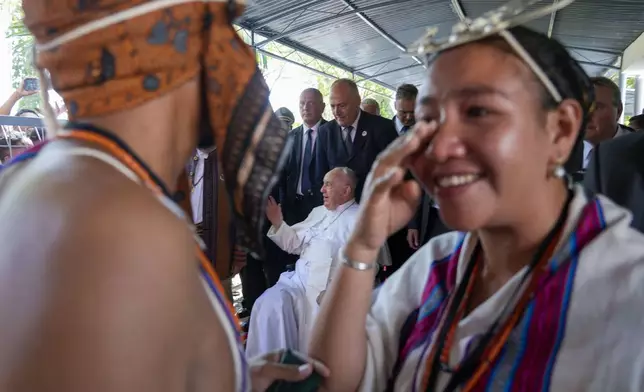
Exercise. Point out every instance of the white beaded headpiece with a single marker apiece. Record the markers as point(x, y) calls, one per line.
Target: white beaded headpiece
point(495, 22)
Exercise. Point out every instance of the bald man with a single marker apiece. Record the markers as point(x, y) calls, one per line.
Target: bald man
point(370, 106)
point(354, 138)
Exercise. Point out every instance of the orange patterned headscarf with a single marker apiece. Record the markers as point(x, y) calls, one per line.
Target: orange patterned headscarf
point(149, 53)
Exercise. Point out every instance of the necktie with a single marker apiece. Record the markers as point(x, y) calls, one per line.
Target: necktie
point(308, 153)
point(348, 143)
point(404, 130)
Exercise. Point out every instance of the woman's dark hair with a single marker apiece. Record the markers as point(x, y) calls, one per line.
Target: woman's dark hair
point(565, 73)
point(567, 76)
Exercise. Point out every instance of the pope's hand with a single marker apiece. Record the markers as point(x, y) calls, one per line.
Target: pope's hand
point(274, 212)
point(388, 200)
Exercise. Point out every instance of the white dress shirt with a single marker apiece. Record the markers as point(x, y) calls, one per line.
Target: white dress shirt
point(399, 125)
point(588, 149)
point(305, 138)
point(196, 196)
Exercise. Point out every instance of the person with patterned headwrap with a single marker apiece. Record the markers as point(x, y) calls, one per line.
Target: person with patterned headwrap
point(541, 287)
point(104, 285)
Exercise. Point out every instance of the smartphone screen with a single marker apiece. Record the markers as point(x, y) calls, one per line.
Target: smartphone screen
point(32, 84)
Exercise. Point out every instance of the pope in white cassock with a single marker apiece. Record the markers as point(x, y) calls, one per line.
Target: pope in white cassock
point(283, 316)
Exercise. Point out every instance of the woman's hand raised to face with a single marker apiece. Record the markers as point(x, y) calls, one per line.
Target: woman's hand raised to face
point(389, 201)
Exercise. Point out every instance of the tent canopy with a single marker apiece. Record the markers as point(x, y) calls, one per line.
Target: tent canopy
point(367, 37)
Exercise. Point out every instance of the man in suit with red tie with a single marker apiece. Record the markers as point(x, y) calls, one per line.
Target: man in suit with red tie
point(353, 139)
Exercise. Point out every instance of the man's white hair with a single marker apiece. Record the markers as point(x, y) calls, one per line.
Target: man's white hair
point(352, 179)
point(370, 101)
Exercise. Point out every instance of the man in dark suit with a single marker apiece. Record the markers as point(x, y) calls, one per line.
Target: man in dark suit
point(404, 120)
point(426, 224)
point(405, 104)
point(637, 122)
point(211, 212)
point(616, 169)
point(260, 274)
point(353, 139)
point(603, 124)
point(298, 194)
point(210, 208)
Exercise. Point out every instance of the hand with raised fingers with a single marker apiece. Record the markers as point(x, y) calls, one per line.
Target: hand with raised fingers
point(389, 201)
point(274, 212)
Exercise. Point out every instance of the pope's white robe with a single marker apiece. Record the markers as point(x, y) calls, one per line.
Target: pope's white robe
point(596, 328)
point(282, 316)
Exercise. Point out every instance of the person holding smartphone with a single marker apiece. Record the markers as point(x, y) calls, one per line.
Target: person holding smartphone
point(29, 86)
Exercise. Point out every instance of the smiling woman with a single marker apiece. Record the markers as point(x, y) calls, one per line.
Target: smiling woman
point(518, 301)
point(502, 134)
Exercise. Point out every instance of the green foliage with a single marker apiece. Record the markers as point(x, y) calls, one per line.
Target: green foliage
point(22, 67)
point(630, 80)
point(380, 93)
point(21, 49)
point(326, 73)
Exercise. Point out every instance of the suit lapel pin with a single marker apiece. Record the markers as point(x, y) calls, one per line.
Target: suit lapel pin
point(364, 133)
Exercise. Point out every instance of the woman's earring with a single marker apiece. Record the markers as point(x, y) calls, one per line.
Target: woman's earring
point(559, 171)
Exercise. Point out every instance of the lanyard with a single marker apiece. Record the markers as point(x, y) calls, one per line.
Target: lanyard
point(490, 345)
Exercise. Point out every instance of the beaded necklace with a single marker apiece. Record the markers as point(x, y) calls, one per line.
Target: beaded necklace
point(478, 361)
